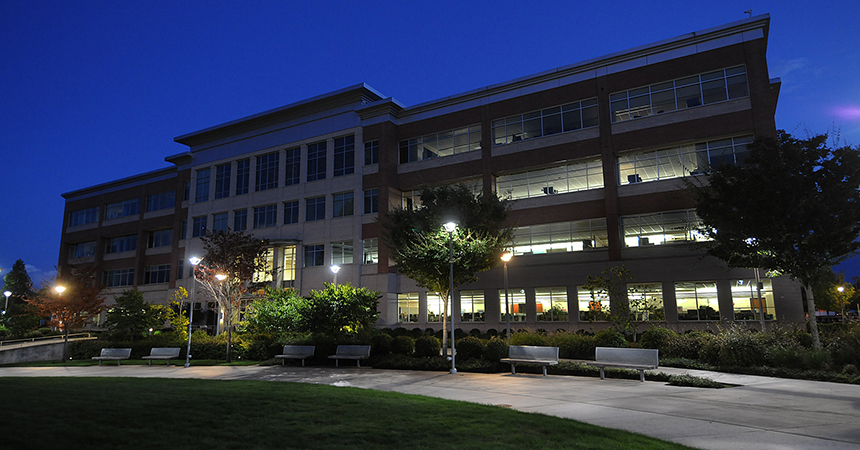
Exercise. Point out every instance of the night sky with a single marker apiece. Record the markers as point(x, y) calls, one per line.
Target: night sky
point(92, 91)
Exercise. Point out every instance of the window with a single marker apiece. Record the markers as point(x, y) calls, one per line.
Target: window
point(661, 228)
point(121, 277)
point(201, 192)
point(121, 244)
point(293, 162)
point(697, 300)
point(471, 306)
point(745, 299)
point(222, 180)
point(243, 176)
point(341, 252)
point(561, 237)
point(646, 301)
point(692, 159)
point(342, 204)
point(220, 222)
point(240, 220)
point(83, 217)
point(316, 161)
point(344, 156)
point(314, 209)
point(434, 307)
point(593, 307)
point(551, 304)
point(82, 250)
point(122, 209)
point(267, 172)
point(552, 180)
point(291, 212)
point(160, 238)
point(157, 202)
point(314, 255)
point(517, 304)
point(436, 145)
point(370, 250)
point(198, 226)
point(156, 274)
point(683, 93)
point(371, 153)
point(558, 119)
point(288, 268)
point(407, 307)
point(265, 216)
point(371, 201)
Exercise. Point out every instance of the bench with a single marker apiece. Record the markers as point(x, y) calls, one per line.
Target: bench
point(640, 359)
point(356, 352)
point(531, 354)
point(113, 354)
point(301, 352)
point(167, 353)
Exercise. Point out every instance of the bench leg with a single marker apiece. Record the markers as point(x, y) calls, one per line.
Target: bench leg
point(601, 373)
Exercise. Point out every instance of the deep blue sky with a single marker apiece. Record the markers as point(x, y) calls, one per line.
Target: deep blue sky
point(95, 91)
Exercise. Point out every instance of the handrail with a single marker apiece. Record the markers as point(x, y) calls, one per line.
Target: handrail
point(44, 338)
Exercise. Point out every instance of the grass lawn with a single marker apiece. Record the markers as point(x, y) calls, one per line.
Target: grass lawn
point(131, 413)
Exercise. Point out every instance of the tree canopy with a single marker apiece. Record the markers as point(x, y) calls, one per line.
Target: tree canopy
point(792, 207)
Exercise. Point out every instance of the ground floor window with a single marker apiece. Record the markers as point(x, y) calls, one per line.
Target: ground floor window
point(471, 306)
point(516, 303)
point(592, 306)
point(407, 307)
point(646, 301)
point(697, 300)
point(551, 304)
point(745, 300)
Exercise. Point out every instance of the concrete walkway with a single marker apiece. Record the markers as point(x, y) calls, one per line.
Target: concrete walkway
point(761, 413)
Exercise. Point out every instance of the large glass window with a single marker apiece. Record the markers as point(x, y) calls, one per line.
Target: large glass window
point(697, 300)
point(371, 201)
point(316, 161)
point(341, 252)
point(435, 306)
point(314, 209)
point(370, 250)
point(661, 228)
point(745, 300)
point(156, 274)
point(314, 255)
point(551, 304)
point(676, 162)
point(265, 216)
point(516, 303)
point(160, 238)
point(198, 226)
point(293, 163)
point(201, 190)
point(220, 222)
point(558, 119)
point(646, 301)
point(291, 212)
point(240, 220)
point(407, 307)
point(243, 176)
point(573, 177)
point(121, 244)
point(82, 250)
point(121, 277)
point(471, 306)
point(682, 93)
point(561, 237)
point(344, 156)
point(593, 306)
point(267, 172)
point(122, 209)
point(342, 204)
point(83, 217)
point(371, 152)
point(288, 268)
point(222, 180)
point(163, 200)
point(436, 145)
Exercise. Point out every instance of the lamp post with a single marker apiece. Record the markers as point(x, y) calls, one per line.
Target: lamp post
point(7, 294)
point(335, 269)
point(450, 227)
point(506, 256)
point(60, 289)
point(194, 261)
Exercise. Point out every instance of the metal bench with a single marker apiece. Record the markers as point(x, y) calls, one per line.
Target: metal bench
point(301, 352)
point(167, 353)
point(113, 354)
point(531, 354)
point(356, 352)
point(640, 359)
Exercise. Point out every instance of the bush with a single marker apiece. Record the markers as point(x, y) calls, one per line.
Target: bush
point(381, 344)
point(403, 345)
point(470, 347)
point(610, 338)
point(657, 338)
point(495, 349)
point(427, 346)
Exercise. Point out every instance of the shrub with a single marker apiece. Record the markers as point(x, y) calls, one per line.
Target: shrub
point(610, 338)
point(427, 346)
point(381, 344)
point(658, 338)
point(470, 347)
point(495, 349)
point(403, 345)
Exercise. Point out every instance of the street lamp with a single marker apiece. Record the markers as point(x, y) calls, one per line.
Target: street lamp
point(506, 256)
point(194, 262)
point(450, 227)
point(335, 269)
point(7, 294)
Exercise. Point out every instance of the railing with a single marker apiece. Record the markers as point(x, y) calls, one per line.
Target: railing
point(21, 342)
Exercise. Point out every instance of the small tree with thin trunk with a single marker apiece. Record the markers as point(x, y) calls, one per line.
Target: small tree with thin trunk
point(227, 272)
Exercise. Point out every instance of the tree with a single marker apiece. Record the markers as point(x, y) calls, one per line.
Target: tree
point(339, 309)
point(227, 272)
point(419, 245)
point(73, 307)
point(19, 316)
point(132, 316)
point(277, 312)
point(792, 207)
